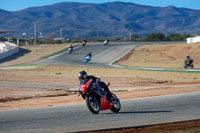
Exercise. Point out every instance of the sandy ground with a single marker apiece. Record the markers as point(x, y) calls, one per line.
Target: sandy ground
point(164, 56)
point(128, 81)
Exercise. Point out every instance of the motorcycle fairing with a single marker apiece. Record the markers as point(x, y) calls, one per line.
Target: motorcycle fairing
point(97, 90)
point(104, 104)
point(87, 58)
point(108, 84)
point(84, 86)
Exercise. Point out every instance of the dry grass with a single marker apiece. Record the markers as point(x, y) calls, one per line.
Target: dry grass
point(118, 77)
point(33, 53)
point(165, 56)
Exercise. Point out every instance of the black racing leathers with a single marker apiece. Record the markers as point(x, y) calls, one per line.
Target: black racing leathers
point(102, 84)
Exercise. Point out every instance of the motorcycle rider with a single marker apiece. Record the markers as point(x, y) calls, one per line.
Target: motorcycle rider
point(70, 46)
point(83, 75)
point(84, 42)
point(187, 58)
point(188, 61)
point(106, 42)
point(89, 55)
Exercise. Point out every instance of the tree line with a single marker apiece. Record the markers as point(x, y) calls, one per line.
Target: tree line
point(152, 37)
point(158, 37)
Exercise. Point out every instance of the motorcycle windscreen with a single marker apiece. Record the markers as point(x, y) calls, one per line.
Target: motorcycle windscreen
point(104, 104)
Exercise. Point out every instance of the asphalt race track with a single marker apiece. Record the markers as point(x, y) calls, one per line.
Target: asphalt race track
point(74, 118)
point(101, 55)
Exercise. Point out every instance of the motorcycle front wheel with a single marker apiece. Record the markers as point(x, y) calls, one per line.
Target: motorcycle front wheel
point(116, 104)
point(92, 104)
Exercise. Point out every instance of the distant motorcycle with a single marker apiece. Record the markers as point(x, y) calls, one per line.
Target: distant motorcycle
point(96, 98)
point(87, 58)
point(70, 49)
point(189, 64)
point(84, 42)
point(106, 42)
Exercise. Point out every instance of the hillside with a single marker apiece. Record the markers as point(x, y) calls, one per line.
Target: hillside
point(97, 20)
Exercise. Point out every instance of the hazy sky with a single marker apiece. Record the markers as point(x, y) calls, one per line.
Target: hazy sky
point(14, 5)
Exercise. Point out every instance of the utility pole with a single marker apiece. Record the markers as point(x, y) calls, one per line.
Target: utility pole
point(61, 35)
point(74, 28)
point(35, 32)
point(130, 35)
point(61, 31)
point(183, 29)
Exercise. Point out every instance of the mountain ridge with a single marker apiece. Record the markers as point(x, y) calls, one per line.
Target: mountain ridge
point(116, 19)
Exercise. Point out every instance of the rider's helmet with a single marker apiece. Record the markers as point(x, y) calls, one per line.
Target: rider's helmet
point(188, 56)
point(82, 75)
point(90, 54)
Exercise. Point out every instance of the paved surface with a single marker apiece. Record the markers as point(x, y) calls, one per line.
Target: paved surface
point(74, 118)
point(101, 55)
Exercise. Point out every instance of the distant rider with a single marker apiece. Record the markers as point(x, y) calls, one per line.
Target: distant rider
point(84, 42)
point(83, 75)
point(89, 55)
point(188, 60)
point(106, 42)
point(70, 46)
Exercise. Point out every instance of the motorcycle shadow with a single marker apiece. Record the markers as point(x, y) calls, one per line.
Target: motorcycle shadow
point(143, 112)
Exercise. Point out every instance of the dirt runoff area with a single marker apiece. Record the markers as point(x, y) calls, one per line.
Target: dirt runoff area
point(58, 85)
point(41, 86)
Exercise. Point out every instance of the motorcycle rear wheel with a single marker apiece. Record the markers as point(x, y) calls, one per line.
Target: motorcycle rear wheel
point(92, 104)
point(116, 104)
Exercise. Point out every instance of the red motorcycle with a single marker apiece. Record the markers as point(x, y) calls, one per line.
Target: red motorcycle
point(96, 97)
point(84, 42)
